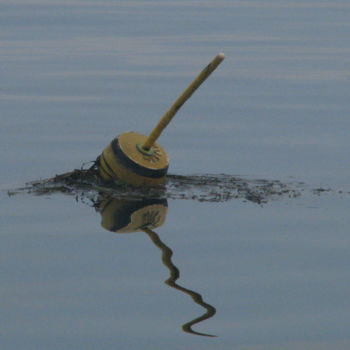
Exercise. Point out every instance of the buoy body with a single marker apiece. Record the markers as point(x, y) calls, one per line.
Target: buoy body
point(124, 160)
point(123, 216)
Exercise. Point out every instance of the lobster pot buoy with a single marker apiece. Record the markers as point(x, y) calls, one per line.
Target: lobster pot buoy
point(124, 216)
point(138, 160)
point(125, 160)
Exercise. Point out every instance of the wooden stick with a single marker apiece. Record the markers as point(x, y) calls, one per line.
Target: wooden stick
point(187, 93)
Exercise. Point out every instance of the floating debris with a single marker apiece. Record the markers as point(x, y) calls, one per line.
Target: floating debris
point(202, 188)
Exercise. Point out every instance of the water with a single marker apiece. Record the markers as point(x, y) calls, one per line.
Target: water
point(76, 73)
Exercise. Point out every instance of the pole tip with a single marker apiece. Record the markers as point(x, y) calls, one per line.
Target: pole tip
point(221, 56)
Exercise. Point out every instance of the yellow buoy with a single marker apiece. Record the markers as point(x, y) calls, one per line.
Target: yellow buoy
point(138, 160)
point(122, 160)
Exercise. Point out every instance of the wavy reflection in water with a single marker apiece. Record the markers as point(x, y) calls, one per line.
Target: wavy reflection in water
point(122, 216)
point(171, 281)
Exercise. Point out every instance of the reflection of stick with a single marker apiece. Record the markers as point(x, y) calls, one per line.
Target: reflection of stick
point(166, 118)
point(174, 275)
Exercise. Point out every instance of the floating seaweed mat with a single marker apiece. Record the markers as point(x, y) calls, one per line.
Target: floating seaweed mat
point(205, 188)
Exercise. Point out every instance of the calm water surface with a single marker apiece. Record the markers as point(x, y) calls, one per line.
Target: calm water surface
point(74, 74)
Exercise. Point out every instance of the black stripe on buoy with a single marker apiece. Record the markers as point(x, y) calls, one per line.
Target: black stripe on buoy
point(134, 167)
point(107, 168)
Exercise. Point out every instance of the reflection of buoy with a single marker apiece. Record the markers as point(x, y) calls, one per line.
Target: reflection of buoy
point(138, 160)
point(125, 216)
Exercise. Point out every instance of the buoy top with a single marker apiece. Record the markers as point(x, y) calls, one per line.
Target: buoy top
point(130, 143)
